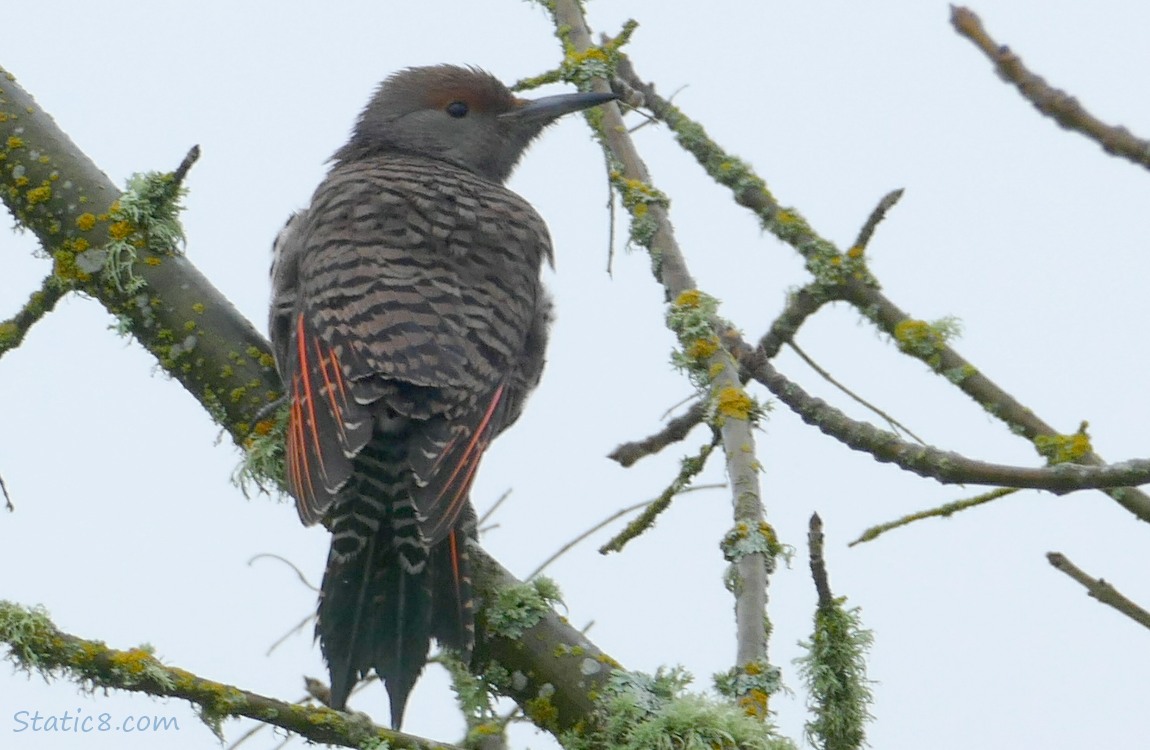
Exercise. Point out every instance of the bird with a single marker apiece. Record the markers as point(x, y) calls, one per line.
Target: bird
point(409, 324)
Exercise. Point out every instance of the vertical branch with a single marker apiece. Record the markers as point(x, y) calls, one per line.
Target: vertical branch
point(750, 545)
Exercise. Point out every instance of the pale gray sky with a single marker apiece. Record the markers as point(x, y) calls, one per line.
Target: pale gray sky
point(128, 530)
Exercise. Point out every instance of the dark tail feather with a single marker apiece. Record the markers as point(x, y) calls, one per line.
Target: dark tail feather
point(374, 614)
point(452, 595)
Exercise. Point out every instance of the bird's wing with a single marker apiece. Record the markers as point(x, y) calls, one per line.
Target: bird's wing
point(416, 295)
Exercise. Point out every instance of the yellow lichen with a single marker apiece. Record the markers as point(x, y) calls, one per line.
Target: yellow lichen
point(701, 349)
point(15, 141)
point(120, 230)
point(689, 298)
point(85, 221)
point(152, 260)
point(755, 703)
point(38, 195)
point(734, 402)
point(1059, 449)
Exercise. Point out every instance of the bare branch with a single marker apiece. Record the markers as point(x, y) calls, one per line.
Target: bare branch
point(1100, 589)
point(818, 564)
point(185, 166)
point(894, 423)
point(7, 498)
point(675, 430)
point(945, 361)
point(1054, 103)
point(607, 522)
point(872, 222)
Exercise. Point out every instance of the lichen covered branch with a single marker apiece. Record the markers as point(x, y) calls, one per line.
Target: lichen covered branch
point(36, 645)
point(122, 249)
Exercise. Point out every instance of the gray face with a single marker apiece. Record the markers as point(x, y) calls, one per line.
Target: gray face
point(461, 115)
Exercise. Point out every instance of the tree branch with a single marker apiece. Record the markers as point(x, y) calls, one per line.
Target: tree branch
point(1054, 103)
point(841, 277)
point(34, 643)
point(927, 461)
point(696, 324)
point(1100, 589)
point(196, 334)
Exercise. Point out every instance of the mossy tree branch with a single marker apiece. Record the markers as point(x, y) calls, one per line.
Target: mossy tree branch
point(843, 276)
point(195, 333)
point(693, 318)
point(35, 644)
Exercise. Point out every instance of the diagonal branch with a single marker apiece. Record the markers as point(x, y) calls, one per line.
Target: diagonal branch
point(927, 461)
point(34, 643)
point(196, 334)
point(860, 290)
point(1054, 103)
point(1100, 589)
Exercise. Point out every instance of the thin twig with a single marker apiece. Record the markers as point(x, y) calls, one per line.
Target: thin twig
point(896, 425)
point(7, 498)
point(299, 573)
point(1052, 102)
point(189, 160)
point(675, 430)
point(942, 511)
point(40, 303)
point(690, 468)
point(877, 215)
point(607, 522)
point(1100, 589)
point(494, 507)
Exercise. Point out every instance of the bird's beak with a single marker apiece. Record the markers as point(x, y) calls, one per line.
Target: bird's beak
point(552, 107)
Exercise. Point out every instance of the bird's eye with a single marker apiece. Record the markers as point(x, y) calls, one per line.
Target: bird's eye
point(457, 109)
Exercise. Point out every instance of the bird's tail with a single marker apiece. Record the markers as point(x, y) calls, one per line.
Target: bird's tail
point(385, 594)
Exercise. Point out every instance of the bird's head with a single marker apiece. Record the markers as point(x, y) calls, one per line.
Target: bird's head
point(460, 115)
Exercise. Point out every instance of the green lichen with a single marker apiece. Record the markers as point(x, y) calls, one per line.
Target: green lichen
point(751, 686)
point(834, 669)
point(745, 539)
point(542, 710)
point(691, 316)
point(644, 712)
point(637, 198)
point(25, 631)
point(144, 218)
point(517, 609)
point(926, 341)
point(262, 468)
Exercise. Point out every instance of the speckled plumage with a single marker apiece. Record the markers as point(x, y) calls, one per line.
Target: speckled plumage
point(409, 324)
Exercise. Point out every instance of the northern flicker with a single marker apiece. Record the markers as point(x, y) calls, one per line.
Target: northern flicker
point(409, 324)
